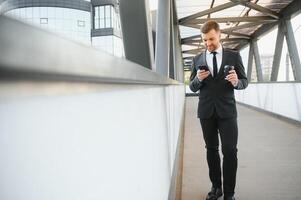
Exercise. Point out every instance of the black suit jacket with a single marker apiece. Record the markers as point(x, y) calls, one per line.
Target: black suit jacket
point(217, 94)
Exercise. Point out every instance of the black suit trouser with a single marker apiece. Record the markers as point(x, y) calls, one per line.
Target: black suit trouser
point(227, 128)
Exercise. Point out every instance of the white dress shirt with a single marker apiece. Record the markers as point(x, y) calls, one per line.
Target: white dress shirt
point(219, 58)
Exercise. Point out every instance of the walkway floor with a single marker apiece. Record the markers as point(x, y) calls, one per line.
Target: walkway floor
point(269, 157)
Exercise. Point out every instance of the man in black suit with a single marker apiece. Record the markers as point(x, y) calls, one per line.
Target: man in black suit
point(217, 107)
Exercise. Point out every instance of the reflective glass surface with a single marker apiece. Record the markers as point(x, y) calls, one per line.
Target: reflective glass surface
point(106, 17)
point(70, 23)
point(110, 44)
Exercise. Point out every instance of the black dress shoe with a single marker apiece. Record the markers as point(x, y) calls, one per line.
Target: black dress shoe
point(214, 194)
point(229, 198)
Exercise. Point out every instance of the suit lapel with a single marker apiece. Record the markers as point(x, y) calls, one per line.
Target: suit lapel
point(204, 58)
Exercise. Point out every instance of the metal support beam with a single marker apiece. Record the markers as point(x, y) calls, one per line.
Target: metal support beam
point(234, 19)
point(293, 51)
point(163, 38)
point(287, 67)
point(178, 60)
point(190, 38)
point(211, 6)
point(264, 29)
point(179, 57)
point(195, 45)
point(258, 8)
point(229, 31)
point(172, 70)
point(189, 41)
point(292, 10)
point(236, 34)
point(257, 61)
point(137, 37)
point(208, 11)
point(250, 61)
point(196, 26)
point(193, 51)
point(230, 43)
point(248, 25)
point(278, 52)
point(154, 26)
point(241, 44)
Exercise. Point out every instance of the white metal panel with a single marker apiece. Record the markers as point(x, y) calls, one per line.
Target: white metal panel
point(279, 98)
point(107, 142)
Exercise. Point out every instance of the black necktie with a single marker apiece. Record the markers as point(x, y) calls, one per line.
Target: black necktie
point(214, 64)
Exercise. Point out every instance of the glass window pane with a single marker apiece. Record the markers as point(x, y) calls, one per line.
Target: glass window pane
point(44, 12)
point(112, 15)
point(102, 23)
point(96, 24)
point(43, 20)
point(108, 23)
point(28, 12)
point(108, 11)
point(96, 12)
point(51, 13)
point(80, 23)
point(101, 12)
point(36, 13)
point(59, 13)
point(22, 13)
point(96, 18)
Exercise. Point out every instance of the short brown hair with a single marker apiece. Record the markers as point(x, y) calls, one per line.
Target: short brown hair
point(209, 25)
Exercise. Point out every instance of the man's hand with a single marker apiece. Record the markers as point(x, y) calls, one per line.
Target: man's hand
point(202, 74)
point(232, 77)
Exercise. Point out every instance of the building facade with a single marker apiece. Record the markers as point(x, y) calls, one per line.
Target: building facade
point(93, 22)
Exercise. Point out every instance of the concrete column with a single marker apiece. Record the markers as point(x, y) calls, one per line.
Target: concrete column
point(136, 32)
point(172, 68)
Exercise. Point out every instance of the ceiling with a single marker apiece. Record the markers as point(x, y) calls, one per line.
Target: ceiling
point(240, 21)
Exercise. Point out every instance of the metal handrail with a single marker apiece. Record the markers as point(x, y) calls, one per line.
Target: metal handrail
point(273, 82)
point(30, 52)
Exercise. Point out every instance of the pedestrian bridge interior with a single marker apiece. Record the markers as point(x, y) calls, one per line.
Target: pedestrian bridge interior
point(80, 123)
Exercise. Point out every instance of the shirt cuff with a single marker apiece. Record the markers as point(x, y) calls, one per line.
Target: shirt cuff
point(198, 79)
point(236, 84)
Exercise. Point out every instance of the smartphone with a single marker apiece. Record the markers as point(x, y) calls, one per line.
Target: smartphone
point(203, 67)
point(228, 68)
